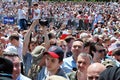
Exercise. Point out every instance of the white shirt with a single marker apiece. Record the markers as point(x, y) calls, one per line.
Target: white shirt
point(36, 16)
point(21, 14)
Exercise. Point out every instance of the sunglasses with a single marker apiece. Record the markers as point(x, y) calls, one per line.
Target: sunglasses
point(102, 50)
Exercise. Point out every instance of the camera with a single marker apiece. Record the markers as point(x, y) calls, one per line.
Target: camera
point(43, 22)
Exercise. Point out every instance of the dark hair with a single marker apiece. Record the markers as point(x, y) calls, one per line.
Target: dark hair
point(69, 38)
point(86, 44)
point(116, 52)
point(14, 36)
point(98, 44)
point(35, 4)
point(92, 48)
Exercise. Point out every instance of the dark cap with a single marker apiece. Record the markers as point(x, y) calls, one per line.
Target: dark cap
point(56, 52)
point(6, 69)
point(116, 52)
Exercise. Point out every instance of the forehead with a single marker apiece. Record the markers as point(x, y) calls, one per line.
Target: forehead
point(50, 57)
point(83, 58)
point(13, 58)
point(77, 43)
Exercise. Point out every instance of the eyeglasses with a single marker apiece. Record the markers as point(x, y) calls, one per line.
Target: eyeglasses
point(102, 50)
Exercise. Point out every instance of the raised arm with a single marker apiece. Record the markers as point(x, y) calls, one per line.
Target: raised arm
point(27, 37)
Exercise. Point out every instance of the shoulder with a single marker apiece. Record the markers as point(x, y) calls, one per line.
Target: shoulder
point(72, 75)
point(22, 77)
point(68, 59)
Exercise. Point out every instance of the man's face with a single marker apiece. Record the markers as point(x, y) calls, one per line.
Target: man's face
point(16, 66)
point(52, 64)
point(117, 57)
point(77, 47)
point(83, 63)
point(100, 51)
point(14, 42)
point(93, 74)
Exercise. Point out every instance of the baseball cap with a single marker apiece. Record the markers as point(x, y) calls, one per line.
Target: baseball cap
point(55, 52)
point(37, 53)
point(10, 50)
point(6, 69)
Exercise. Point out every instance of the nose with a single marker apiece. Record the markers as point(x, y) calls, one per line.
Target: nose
point(14, 68)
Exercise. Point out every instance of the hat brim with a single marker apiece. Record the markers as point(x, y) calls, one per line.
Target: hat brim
point(53, 54)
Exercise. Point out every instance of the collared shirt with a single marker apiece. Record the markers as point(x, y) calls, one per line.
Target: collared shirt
point(43, 74)
point(68, 64)
point(22, 77)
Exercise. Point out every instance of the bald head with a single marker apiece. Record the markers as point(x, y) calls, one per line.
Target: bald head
point(94, 70)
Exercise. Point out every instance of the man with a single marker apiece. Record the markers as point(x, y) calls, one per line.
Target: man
point(36, 14)
point(69, 63)
point(54, 58)
point(22, 17)
point(12, 55)
point(14, 40)
point(116, 54)
point(100, 53)
point(83, 61)
point(94, 70)
point(69, 40)
point(5, 72)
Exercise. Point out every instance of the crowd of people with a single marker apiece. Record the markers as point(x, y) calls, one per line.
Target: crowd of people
point(60, 40)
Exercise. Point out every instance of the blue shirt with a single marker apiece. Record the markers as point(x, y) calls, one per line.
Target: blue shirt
point(27, 59)
point(43, 74)
point(68, 64)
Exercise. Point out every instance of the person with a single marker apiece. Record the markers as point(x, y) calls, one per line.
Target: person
point(5, 72)
point(63, 45)
point(69, 40)
point(83, 61)
point(36, 14)
point(37, 63)
point(13, 56)
point(22, 17)
point(14, 40)
point(100, 53)
point(116, 54)
point(53, 60)
point(111, 73)
point(69, 63)
point(94, 70)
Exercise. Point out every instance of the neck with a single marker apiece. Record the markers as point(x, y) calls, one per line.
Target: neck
point(81, 75)
point(53, 72)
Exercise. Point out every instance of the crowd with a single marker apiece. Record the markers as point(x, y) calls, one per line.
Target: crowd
point(60, 40)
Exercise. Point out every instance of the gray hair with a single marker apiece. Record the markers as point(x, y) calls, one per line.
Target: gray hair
point(86, 55)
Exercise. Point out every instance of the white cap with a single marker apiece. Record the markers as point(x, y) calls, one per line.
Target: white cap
point(11, 50)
